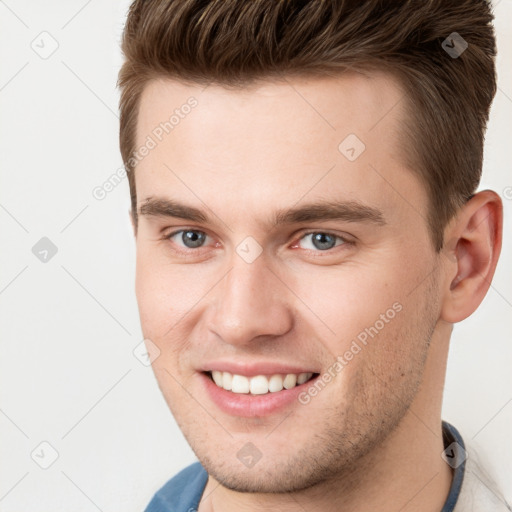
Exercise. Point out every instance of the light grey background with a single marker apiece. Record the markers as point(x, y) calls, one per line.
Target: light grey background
point(69, 325)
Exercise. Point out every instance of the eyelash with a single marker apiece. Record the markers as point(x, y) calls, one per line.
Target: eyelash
point(317, 253)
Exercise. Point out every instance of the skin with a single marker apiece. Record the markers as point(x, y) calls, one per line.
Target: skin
point(371, 439)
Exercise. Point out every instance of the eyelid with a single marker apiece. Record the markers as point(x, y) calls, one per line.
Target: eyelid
point(345, 236)
point(176, 231)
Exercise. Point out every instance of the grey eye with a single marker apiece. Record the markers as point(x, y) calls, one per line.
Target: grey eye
point(192, 239)
point(322, 241)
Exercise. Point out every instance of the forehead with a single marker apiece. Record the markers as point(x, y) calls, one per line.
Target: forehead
point(272, 143)
point(364, 104)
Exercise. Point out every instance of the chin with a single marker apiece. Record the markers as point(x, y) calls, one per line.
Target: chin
point(263, 480)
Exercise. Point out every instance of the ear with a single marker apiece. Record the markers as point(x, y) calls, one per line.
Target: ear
point(472, 247)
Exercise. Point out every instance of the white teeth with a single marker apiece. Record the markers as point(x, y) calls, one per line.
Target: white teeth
point(301, 378)
point(260, 384)
point(240, 384)
point(217, 377)
point(275, 383)
point(289, 381)
point(227, 378)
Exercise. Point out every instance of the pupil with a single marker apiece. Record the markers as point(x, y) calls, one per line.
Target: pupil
point(323, 241)
point(193, 238)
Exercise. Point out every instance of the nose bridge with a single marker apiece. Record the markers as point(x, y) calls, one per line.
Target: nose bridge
point(250, 302)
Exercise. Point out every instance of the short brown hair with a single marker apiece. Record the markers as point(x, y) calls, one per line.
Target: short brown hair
point(236, 42)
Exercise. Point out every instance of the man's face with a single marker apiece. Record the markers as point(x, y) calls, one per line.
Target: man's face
point(252, 291)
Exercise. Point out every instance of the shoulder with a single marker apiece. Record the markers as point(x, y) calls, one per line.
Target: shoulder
point(479, 492)
point(472, 487)
point(182, 492)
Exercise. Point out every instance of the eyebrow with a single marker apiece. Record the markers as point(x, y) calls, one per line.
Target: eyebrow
point(348, 211)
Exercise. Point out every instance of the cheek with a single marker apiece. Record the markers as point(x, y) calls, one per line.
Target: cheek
point(159, 295)
point(168, 297)
point(346, 300)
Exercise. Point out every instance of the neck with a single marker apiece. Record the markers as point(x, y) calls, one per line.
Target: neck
point(405, 473)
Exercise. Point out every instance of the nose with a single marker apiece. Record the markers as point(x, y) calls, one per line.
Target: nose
point(251, 302)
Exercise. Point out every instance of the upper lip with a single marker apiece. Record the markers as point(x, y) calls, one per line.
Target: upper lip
point(251, 369)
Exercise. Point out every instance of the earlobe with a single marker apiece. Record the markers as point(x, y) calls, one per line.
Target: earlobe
point(474, 248)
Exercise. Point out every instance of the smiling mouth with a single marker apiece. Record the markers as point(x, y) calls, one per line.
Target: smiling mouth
point(259, 384)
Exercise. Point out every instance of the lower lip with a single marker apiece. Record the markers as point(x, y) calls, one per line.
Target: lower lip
point(249, 406)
